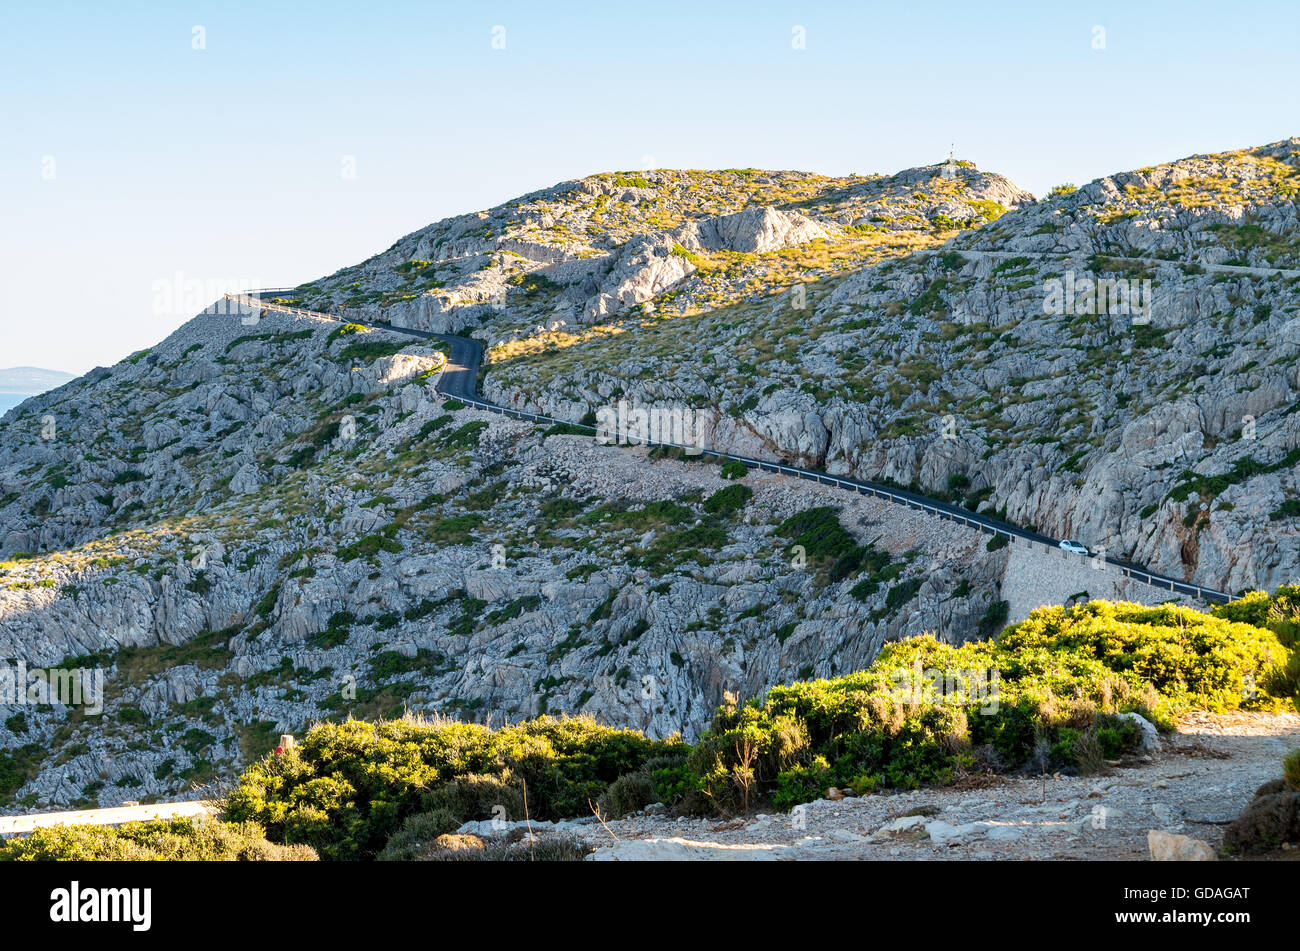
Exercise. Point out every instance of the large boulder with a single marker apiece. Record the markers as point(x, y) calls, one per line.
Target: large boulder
point(646, 266)
point(1169, 847)
point(754, 231)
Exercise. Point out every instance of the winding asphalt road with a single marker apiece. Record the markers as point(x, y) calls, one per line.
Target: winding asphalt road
point(460, 381)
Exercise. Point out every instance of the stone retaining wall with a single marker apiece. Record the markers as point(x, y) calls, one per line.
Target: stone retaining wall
point(1038, 574)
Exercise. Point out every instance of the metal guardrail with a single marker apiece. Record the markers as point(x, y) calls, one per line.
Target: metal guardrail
point(904, 497)
point(257, 302)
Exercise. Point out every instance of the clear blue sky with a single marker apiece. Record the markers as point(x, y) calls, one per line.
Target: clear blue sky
point(226, 163)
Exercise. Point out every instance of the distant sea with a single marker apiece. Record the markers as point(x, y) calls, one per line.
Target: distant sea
point(9, 400)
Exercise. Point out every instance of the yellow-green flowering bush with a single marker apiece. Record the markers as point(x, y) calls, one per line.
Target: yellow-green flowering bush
point(160, 840)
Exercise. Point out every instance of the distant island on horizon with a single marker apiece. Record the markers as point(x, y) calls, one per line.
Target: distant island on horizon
point(19, 383)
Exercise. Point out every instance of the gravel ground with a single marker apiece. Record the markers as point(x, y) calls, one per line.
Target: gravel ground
point(1194, 784)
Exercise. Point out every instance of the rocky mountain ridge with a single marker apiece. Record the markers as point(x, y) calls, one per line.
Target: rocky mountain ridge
point(1167, 437)
point(266, 520)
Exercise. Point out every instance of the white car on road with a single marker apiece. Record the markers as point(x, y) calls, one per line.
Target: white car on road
point(1072, 546)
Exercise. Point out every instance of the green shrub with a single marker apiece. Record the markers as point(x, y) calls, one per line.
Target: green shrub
point(371, 350)
point(653, 515)
point(1288, 509)
point(829, 547)
point(1287, 682)
point(802, 782)
point(1279, 613)
point(678, 546)
point(170, 840)
point(1190, 658)
point(432, 426)
point(627, 794)
point(412, 841)
point(726, 501)
point(533, 285)
point(466, 437)
point(453, 529)
point(511, 847)
point(734, 469)
point(560, 509)
point(993, 618)
point(1250, 608)
point(356, 789)
point(19, 767)
point(903, 592)
point(1291, 769)
point(1246, 467)
point(347, 330)
point(1062, 673)
point(865, 588)
point(371, 545)
point(569, 429)
point(819, 532)
point(929, 301)
point(347, 787)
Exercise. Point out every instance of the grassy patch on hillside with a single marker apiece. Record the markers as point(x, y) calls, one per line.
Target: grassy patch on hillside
point(366, 350)
point(817, 535)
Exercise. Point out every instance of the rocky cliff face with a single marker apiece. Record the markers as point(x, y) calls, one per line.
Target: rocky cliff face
point(1116, 363)
point(262, 521)
point(309, 531)
point(583, 251)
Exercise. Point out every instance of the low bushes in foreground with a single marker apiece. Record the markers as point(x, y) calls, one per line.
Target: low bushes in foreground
point(1279, 613)
point(1271, 820)
point(1063, 676)
point(1291, 770)
point(162, 840)
point(347, 788)
point(417, 842)
point(1050, 693)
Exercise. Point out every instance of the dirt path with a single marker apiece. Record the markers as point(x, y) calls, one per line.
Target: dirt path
point(1197, 782)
